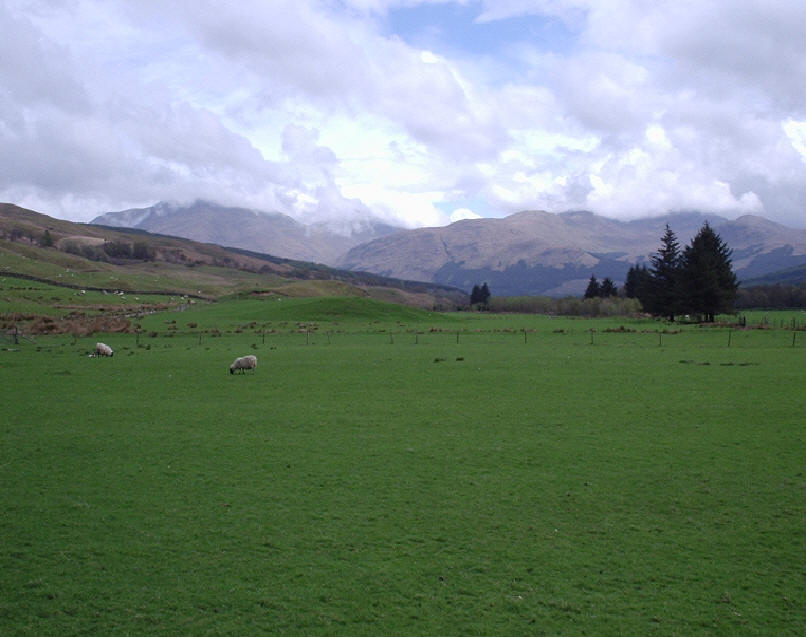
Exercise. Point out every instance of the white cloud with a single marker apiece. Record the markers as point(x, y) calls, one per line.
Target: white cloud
point(463, 213)
point(796, 132)
point(315, 109)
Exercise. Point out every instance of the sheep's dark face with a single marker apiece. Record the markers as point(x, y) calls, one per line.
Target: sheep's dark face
point(231, 371)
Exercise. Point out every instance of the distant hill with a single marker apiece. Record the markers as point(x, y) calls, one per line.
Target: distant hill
point(265, 232)
point(37, 246)
point(788, 276)
point(542, 253)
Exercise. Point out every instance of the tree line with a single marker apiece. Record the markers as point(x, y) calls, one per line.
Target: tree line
point(697, 280)
point(772, 296)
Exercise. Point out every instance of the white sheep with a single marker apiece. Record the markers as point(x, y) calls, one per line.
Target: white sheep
point(102, 349)
point(243, 363)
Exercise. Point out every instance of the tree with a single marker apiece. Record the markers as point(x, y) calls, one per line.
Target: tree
point(636, 285)
point(46, 240)
point(708, 283)
point(118, 249)
point(663, 297)
point(484, 294)
point(594, 289)
point(480, 295)
point(143, 251)
point(608, 288)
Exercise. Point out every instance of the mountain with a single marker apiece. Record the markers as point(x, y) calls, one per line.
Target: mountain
point(265, 232)
point(36, 246)
point(542, 253)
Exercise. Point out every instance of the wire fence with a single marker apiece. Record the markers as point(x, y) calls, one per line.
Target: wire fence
point(668, 338)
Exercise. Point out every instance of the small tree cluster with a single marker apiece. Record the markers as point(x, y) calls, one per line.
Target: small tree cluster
point(698, 280)
point(480, 295)
point(600, 290)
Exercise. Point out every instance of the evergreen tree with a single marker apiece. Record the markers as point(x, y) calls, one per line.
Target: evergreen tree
point(636, 278)
point(46, 241)
point(484, 294)
point(608, 288)
point(480, 295)
point(594, 289)
point(663, 295)
point(642, 283)
point(708, 283)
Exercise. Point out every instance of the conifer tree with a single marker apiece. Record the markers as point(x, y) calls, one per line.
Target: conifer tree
point(608, 288)
point(637, 283)
point(484, 294)
point(663, 296)
point(594, 289)
point(708, 283)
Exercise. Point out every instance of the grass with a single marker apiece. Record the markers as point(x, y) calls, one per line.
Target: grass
point(361, 484)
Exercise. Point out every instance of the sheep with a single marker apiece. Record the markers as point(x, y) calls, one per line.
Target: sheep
point(102, 349)
point(243, 363)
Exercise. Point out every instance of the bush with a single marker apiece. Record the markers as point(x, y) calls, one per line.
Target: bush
point(143, 251)
point(118, 249)
point(566, 306)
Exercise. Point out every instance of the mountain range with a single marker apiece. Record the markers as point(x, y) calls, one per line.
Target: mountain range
point(265, 232)
point(527, 253)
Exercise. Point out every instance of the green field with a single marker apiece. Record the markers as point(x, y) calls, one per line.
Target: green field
point(388, 471)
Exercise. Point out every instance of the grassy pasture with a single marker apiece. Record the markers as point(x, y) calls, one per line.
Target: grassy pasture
point(390, 471)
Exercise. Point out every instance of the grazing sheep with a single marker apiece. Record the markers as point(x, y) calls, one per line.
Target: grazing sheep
point(102, 349)
point(243, 363)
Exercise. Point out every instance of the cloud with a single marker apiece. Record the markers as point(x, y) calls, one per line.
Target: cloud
point(323, 110)
point(463, 213)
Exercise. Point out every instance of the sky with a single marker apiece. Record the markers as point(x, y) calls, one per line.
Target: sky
point(417, 112)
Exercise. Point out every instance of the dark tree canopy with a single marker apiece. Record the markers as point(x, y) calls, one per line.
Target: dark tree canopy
point(600, 290)
point(480, 295)
point(708, 283)
point(608, 288)
point(594, 289)
point(664, 289)
point(699, 280)
point(637, 284)
point(485, 293)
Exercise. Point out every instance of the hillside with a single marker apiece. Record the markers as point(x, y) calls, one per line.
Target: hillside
point(98, 257)
point(537, 252)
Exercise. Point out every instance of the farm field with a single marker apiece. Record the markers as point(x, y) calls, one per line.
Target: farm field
point(393, 471)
